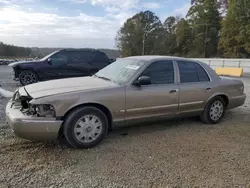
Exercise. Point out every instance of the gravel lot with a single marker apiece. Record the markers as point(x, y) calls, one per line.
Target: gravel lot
point(183, 153)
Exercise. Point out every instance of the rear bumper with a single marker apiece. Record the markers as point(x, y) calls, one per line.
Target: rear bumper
point(235, 102)
point(32, 128)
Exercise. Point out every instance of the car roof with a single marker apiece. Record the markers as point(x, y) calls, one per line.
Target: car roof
point(153, 58)
point(80, 50)
point(157, 57)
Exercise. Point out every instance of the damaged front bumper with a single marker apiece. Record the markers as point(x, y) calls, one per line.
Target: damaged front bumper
point(28, 126)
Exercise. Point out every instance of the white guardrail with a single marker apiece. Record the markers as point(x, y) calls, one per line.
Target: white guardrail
point(236, 63)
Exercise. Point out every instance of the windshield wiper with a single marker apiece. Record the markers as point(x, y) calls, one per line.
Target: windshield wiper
point(104, 78)
point(108, 79)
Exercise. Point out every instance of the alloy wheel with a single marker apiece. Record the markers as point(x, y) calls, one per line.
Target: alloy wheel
point(27, 77)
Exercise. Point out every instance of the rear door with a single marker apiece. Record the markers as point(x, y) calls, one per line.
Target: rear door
point(79, 63)
point(99, 62)
point(195, 87)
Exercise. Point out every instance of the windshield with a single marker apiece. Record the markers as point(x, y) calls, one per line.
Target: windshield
point(121, 71)
point(48, 56)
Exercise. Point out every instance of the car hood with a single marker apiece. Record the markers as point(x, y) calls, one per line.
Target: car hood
point(54, 87)
point(22, 62)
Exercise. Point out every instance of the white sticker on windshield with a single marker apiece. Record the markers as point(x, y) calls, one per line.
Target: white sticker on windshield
point(134, 67)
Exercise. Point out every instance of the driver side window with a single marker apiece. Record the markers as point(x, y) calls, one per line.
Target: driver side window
point(59, 58)
point(160, 72)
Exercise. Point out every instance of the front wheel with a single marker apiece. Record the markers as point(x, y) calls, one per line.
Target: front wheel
point(27, 77)
point(214, 111)
point(85, 127)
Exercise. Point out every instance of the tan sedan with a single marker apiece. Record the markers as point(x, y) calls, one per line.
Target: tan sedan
point(130, 90)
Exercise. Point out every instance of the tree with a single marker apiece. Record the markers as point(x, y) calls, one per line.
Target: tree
point(244, 21)
point(127, 39)
point(13, 51)
point(235, 33)
point(183, 37)
point(204, 33)
point(170, 35)
point(204, 18)
point(139, 34)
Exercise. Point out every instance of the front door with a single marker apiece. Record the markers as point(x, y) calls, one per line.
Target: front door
point(56, 66)
point(195, 87)
point(160, 99)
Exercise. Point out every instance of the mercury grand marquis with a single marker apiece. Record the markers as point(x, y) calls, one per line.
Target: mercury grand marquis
point(130, 90)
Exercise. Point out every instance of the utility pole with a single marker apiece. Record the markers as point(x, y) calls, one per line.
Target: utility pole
point(145, 34)
point(144, 38)
point(205, 42)
point(143, 43)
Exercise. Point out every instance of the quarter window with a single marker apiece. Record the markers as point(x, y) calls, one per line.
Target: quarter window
point(80, 57)
point(101, 58)
point(192, 72)
point(160, 72)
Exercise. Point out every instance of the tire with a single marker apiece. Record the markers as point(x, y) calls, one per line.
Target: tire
point(214, 111)
point(27, 77)
point(82, 131)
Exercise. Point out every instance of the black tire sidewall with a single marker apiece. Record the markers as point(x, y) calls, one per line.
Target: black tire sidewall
point(27, 71)
point(71, 120)
point(209, 107)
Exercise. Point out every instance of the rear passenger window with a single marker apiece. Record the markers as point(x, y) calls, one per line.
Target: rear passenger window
point(192, 72)
point(78, 57)
point(160, 72)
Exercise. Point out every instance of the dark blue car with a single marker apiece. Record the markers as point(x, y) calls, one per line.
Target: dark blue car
point(61, 64)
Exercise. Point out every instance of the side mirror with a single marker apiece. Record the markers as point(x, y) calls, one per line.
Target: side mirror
point(49, 61)
point(143, 80)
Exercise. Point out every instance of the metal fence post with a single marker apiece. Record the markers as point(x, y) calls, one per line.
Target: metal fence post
point(239, 63)
point(209, 62)
point(223, 63)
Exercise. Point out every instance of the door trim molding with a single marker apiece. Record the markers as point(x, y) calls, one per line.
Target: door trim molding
point(149, 108)
point(191, 103)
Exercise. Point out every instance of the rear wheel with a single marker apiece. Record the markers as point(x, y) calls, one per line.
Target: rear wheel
point(214, 111)
point(27, 77)
point(85, 127)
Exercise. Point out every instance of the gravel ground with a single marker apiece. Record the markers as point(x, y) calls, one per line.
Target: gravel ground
point(183, 153)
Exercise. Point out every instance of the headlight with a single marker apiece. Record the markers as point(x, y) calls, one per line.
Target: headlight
point(43, 110)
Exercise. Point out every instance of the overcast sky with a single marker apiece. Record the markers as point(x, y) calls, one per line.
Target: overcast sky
point(74, 23)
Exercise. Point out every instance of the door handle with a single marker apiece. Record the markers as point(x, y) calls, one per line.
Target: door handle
point(208, 88)
point(173, 90)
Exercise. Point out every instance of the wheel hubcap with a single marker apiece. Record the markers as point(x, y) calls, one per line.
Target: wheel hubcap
point(216, 110)
point(28, 78)
point(88, 128)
